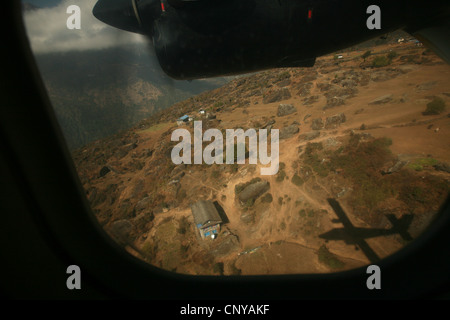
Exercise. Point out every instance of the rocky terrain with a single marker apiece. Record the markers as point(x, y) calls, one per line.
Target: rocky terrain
point(370, 132)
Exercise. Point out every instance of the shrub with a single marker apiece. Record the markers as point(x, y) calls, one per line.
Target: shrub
point(437, 106)
point(329, 259)
point(280, 176)
point(267, 198)
point(381, 61)
point(419, 164)
point(297, 180)
point(361, 163)
point(215, 174)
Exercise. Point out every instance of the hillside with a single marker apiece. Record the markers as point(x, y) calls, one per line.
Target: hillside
point(372, 134)
point(97, 93)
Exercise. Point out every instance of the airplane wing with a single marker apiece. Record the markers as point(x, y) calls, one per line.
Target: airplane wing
point(351, 230)
point(370, 254)
point(341, 214)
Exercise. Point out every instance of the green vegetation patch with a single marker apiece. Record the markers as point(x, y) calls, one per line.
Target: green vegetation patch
point(361, 163)
point(437, 106)
point(281, 175)
point(267, 198)
point(215, 174)
point(311, 158)
point(421, 163)
point(329, 259)
point(155, 127)
point(381, 61)
point(297, 180)
point(423, 194)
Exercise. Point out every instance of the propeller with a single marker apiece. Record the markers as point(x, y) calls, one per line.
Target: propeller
point(121, 14)
point(126, 15)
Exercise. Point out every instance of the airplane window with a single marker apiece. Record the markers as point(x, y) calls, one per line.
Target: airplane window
point(311, 167)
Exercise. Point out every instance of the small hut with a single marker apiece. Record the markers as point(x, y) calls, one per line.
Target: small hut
point(206, 218)
point(182, 120)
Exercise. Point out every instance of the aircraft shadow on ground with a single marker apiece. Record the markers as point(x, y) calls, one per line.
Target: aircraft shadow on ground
point(356, 236)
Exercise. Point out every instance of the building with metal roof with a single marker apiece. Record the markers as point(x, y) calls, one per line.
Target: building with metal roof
point(206, 218)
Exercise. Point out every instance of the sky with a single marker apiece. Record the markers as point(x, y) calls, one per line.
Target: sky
point(48, 32)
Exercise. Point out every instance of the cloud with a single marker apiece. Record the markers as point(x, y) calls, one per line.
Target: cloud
point(48, 32)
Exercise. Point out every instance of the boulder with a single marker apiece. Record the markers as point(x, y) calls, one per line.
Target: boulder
point(335, 121)
point(395, 168)
point(277, 95)
point(285, 109)
point(324, 87)
point(442, 167)
point(284, 83)
point(289, 131)
point(317, 124)
point(226, 246)
point(334, 102)
point(310, 100)
point(268, 124)
point(304, 89)
point(253, 191)
point(309, 136)
point(382, 99)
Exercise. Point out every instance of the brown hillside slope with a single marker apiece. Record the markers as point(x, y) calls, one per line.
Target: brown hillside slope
point(362, 139)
